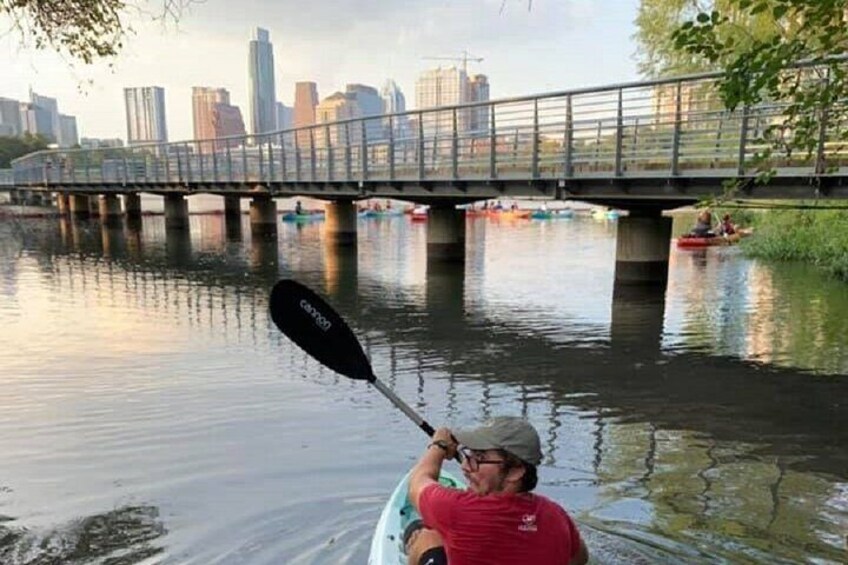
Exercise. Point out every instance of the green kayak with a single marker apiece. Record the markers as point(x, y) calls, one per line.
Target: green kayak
point(387, 543)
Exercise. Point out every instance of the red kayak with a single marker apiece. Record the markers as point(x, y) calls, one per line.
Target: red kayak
point(696, 242)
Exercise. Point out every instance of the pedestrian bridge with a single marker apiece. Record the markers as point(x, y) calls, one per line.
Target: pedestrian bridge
point(643, 146)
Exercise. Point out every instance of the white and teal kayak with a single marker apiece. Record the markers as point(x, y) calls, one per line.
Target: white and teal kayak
point(387, 543)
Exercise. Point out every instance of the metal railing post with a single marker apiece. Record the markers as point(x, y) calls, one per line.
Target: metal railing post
point(312, 163)
point(493, 142)
point(455, 147)
point(391, 149)
point(348, 164)
point(244, 175)
point(229, 162)
point(329, 148)
point(270, 160)
point(283, 156)
point(296, 156)
point(126, 167)
point(87, 170)
point(619, 133)
point(215, 161)
point(675, 138)
point(824, 117)
point(420, 145)
point(258, 144)
point(188, 164)
point(534, 158)
point(363, 151)
point(743, 141)
point(568, 142)
point(200, 147)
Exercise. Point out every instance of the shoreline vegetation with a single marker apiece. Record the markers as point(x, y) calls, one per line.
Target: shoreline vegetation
point(817, 237)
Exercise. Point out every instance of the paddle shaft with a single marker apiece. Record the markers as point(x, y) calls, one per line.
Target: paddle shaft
point(403, 407)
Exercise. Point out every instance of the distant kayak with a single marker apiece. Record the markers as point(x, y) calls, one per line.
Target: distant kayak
point(380, 213)
point(601, 214)
point(387, 543)
point(309, 217)
point(419, 214)
point(552, 214)
point(696, 242)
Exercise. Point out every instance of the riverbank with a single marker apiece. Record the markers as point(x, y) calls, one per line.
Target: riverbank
point(818, 237)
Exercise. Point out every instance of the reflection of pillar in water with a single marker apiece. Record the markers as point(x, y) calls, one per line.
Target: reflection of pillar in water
point(114, 244)
point(264, 255)
point(638, 314)
point(133, 238)
point(341, 270)
point(78, 204)
point(178, 246)
point(232, 217)
point(65, 231)
point(62, 203)
point(445, 293)
point(132, 206)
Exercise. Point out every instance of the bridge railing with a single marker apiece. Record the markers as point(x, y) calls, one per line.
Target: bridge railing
point(657, 128)
point(7, 177)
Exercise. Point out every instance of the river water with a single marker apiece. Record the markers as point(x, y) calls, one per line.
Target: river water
point(150, 412)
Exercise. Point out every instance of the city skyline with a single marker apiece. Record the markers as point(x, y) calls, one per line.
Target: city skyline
point(381, 41)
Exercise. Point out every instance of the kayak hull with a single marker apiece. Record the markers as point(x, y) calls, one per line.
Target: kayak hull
point(387, 543)
point(293, 217)
point(690, 242)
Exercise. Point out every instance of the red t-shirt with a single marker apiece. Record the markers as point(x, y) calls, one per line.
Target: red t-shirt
point(499, 528)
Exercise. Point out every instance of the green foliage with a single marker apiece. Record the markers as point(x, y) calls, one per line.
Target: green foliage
point(86, 30)
point(755, 71)
point(819, 237)
point(13, 147)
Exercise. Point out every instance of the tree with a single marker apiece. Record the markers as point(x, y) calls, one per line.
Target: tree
point(85, 30)
point(757, 66)
point(13, 147)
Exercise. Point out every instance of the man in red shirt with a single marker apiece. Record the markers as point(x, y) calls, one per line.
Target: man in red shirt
point(498, 519)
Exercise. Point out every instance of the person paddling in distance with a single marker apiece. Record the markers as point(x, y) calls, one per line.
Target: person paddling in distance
point(498, 519)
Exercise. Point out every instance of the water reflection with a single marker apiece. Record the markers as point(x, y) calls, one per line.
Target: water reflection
point(663, 431)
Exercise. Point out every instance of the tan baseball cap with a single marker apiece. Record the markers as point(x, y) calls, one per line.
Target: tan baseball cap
point(510, 433)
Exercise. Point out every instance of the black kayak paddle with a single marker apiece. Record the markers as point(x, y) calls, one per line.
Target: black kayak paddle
point(307, 319)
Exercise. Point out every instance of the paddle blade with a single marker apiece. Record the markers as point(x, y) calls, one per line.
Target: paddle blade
point(306, 319)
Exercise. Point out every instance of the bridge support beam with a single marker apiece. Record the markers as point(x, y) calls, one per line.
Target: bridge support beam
point(110, 210)
point(263, 216)
point(642, 249)
point(176, 212)
point(446, 235)
point(340, 223)
point(62, 203)
point(232, 216)
point(79, 206)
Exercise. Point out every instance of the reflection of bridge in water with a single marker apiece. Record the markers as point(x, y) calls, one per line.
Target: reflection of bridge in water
point(634, 405)
point(618, 377)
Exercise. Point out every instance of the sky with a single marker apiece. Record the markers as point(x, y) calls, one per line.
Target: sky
point(556, 45)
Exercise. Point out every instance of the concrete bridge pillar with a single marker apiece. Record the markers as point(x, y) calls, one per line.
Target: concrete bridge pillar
point(340, 223)
point(62, 203)
point(110, 210)
point(232, 216)
point(446, 234)
point(132, 205)
point(263, 216)
point(176, 212)
point(79, 206)
point(642, 249)
point(94, 205)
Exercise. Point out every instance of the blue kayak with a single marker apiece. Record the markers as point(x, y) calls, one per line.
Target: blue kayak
point(293, 217)
point(387, 543)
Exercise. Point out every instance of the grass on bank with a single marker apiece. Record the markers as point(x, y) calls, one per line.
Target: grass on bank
point(818, 237)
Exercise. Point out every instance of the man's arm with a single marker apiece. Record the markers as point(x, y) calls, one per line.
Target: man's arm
point(427, 470)
point(582, 555)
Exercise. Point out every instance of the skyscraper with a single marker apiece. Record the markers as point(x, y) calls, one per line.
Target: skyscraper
point(479, 92)
point(442, 87)
point(145, 107)
point(10, 117)
point(213, 114)
point(262, 88)
point(50, 107)
point(305, 101)
point(367, 101)
point(394, 102)
point(337, 106)
point(36, 120)
point(68, 136)
point(285, 116)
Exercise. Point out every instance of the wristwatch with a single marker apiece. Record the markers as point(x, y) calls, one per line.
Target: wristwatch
point(440, 443)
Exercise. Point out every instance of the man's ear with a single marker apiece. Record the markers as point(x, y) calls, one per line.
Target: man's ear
point(515, 473)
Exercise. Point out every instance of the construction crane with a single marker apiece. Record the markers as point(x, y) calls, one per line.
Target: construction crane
point(466, 56)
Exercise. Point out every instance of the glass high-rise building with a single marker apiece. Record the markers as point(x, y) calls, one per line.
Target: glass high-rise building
point(262, 88)
point(68, 136)
point(394, 102)
point(214, 116)
point(305, 102)
point(442, 87)
point(145, 107)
